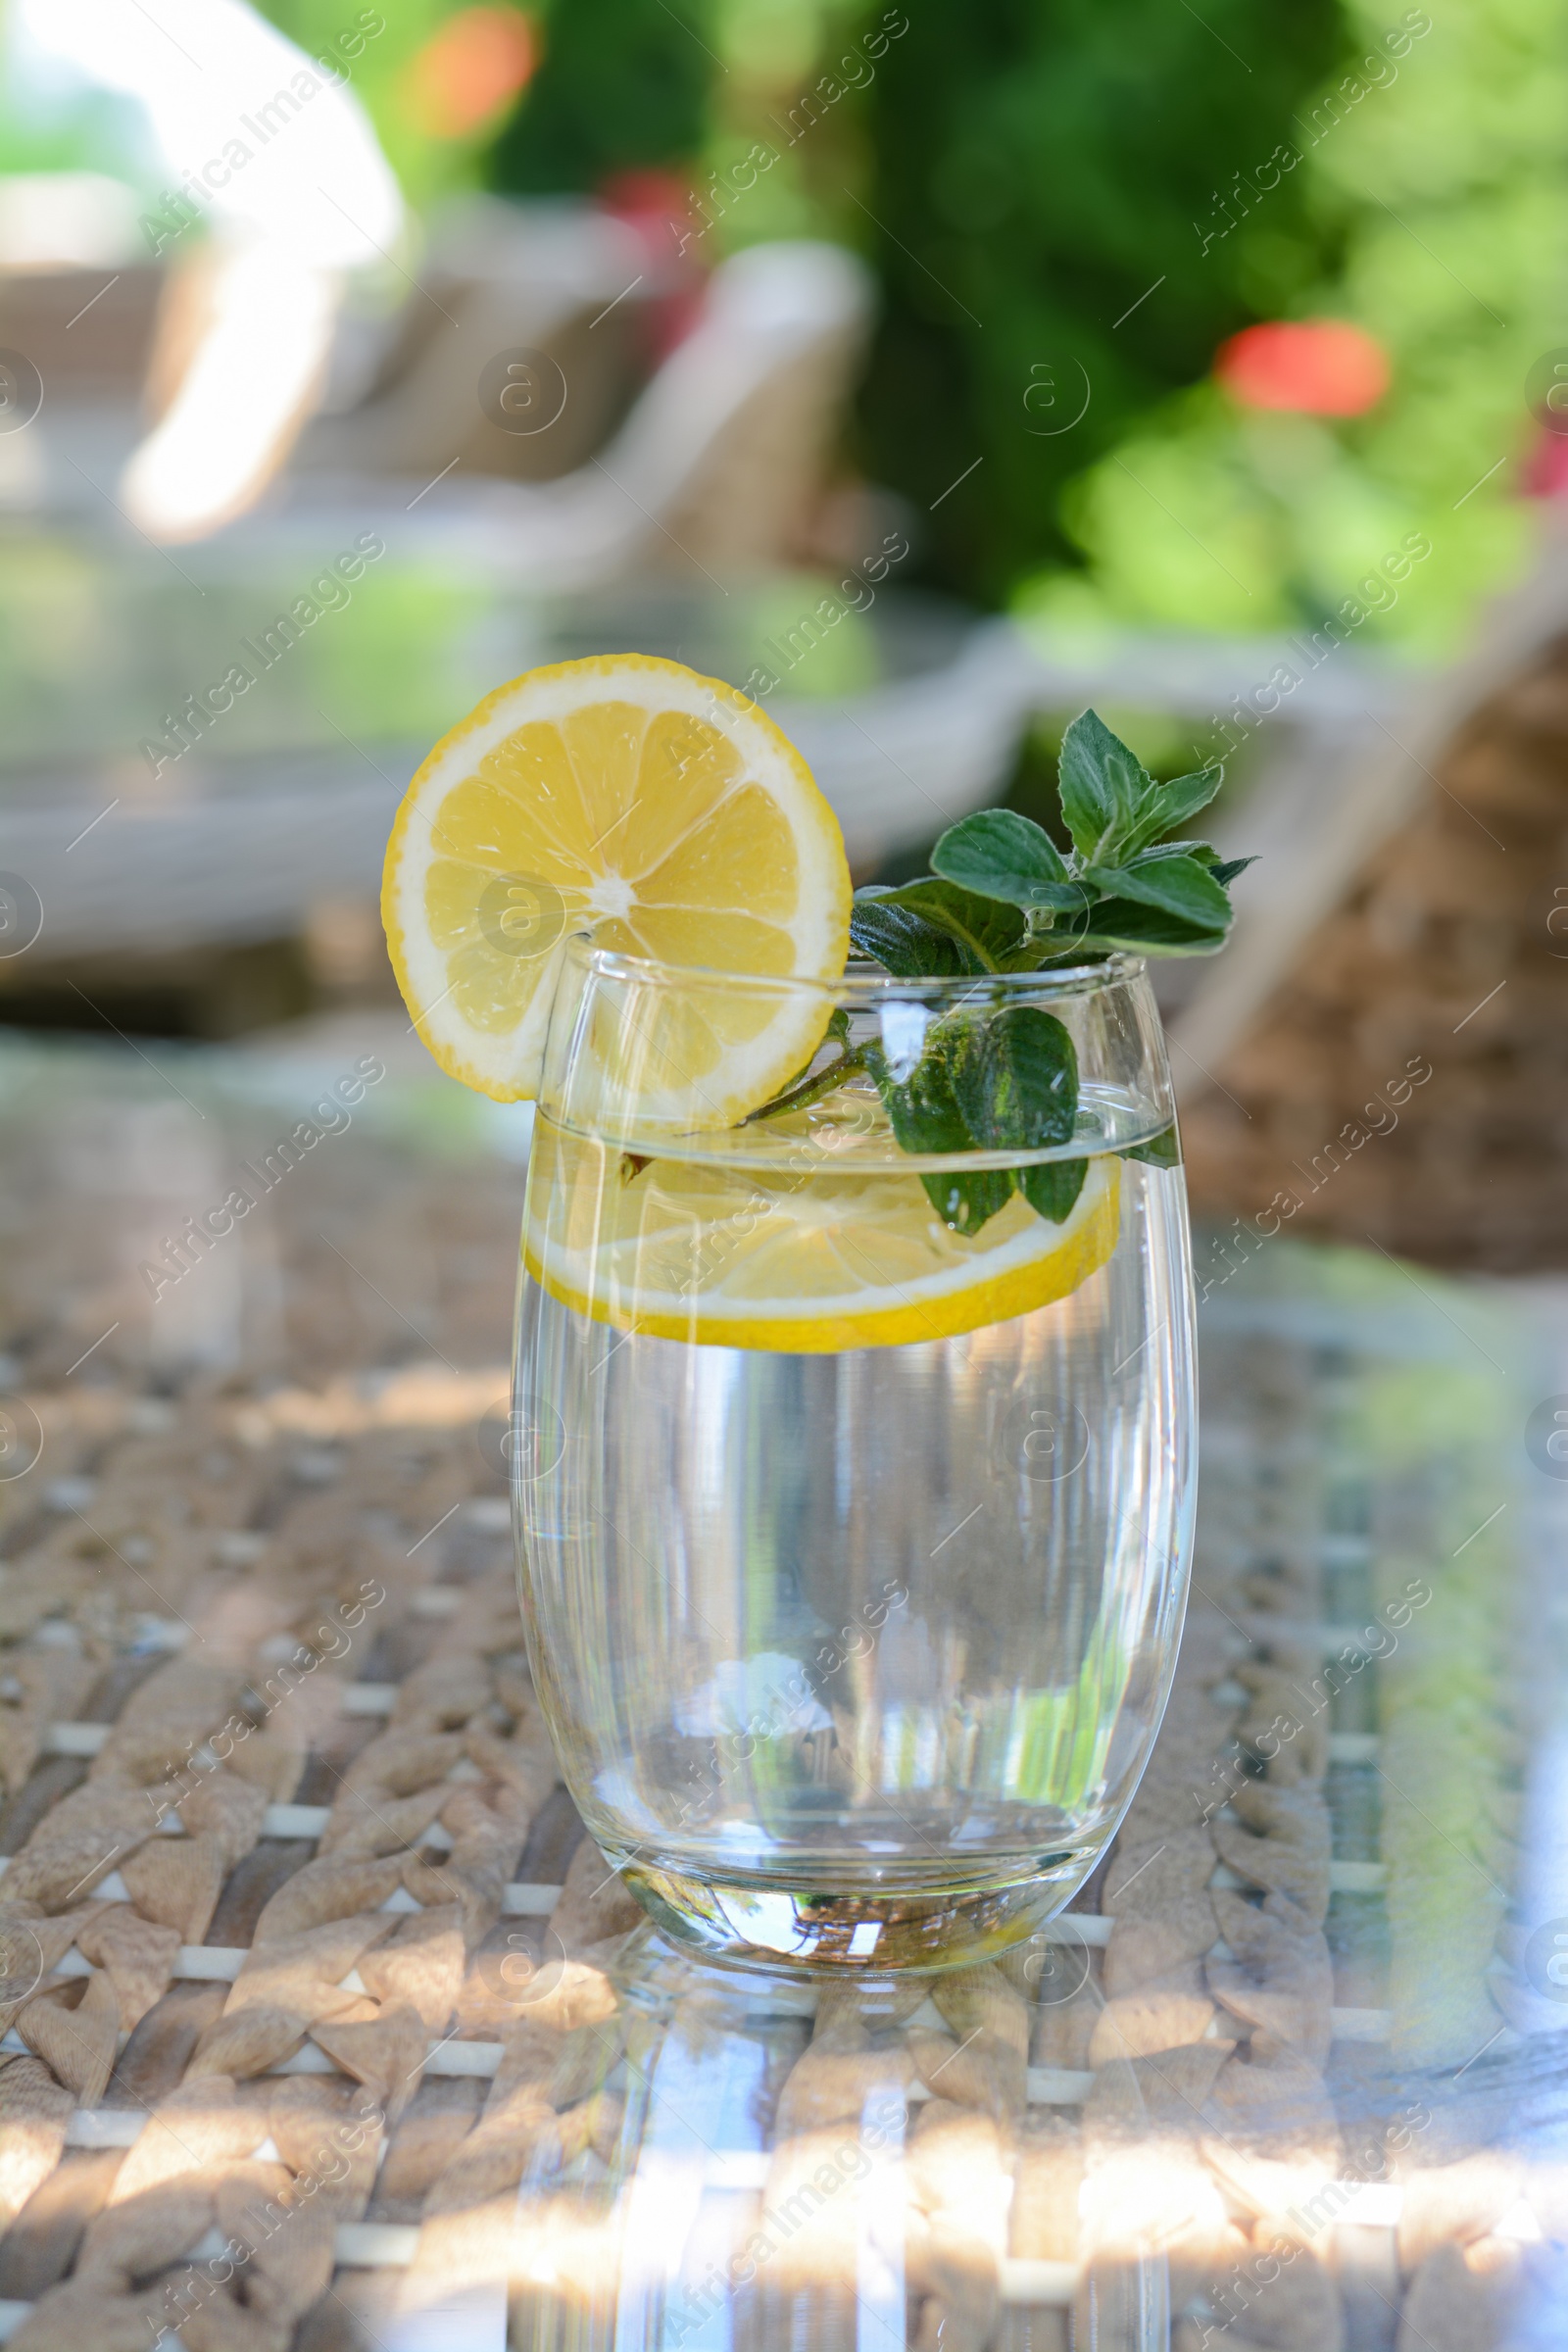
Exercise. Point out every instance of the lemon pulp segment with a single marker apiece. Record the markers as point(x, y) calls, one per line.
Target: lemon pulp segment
point(660, 812)
point(737, 1257)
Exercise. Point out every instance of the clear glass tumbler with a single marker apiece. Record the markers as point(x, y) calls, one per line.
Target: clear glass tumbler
point(853, 1641)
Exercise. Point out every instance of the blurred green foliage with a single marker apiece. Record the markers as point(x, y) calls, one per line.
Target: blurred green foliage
point(792, 88)
point(625, 86)
point(1070, 207)
point(1436, 197)
point(1037, 171)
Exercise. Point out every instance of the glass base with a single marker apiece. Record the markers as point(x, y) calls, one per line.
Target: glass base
point(746, 1920)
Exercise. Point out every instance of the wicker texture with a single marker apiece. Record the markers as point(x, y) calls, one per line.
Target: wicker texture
point(1408, 1082)
point(265, 1712)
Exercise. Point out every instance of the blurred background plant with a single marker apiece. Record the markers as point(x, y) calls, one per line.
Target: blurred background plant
point(1036, 176)
point(1074, 207)
point(1072, 211)
point(1426, 180)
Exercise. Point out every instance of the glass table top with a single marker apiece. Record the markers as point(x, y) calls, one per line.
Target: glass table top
point(104, 642)
point(1289, 2072)
point(202, 744)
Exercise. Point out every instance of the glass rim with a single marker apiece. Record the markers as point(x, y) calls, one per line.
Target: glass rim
point(865, 982)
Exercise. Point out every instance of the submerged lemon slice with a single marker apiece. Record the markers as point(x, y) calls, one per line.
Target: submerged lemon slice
point(658, 812)
point(740, 1258)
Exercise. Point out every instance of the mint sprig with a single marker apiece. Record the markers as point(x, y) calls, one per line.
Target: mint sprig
point(1009, 1076)
point(1004, 899)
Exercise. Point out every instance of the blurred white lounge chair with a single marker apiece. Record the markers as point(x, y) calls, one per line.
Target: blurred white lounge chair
point(1383, 1058)
point(559, 277)
point(1328, 799)
point(716, 466)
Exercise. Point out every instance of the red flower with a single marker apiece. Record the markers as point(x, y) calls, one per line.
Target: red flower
point(1545, 468)
point(1318, 366)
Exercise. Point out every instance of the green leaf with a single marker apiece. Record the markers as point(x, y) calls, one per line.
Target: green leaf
point(1177, 884)
point(922, 1107)
point(987, 929)
point(1054, 951)
point(1225, 871)
point(965, 1203)
point(1104, 788)
point(1171, 805)
point(1053, 1186)
point(1143, 931)
point(1163, 1150)
point(1204, 850)
point(909, 946)
point(1004, 855)
point(1044, 950)
point(925, 1116)
point(1015, 1080)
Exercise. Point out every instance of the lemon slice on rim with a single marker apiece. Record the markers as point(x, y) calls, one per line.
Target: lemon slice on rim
point(658, 812)
point(739, 1257)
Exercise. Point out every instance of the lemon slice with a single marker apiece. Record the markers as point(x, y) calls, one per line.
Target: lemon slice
point(739, 1257)
point(658, 812)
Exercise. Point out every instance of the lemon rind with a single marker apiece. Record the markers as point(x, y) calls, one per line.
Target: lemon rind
point(941, 1313)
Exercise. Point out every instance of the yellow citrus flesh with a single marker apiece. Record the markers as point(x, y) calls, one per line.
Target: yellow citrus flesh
point(660, 812)
point(738, 1257)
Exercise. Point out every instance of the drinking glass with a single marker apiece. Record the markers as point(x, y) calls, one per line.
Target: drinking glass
point(853, 1654)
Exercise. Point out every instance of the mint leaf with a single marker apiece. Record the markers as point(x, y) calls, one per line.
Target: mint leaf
point(966, 1202)
point(1178, 884)
point(1141, 931)
point(925, 1116)
point(1040, 947)
point(1163, 1150)
point(1004, 856)
point(1226, 869)
point(1015, 1080)
point(922, 1107)
point(987, 929)
point(1204, 850)
point(911, 947)
point(1052, 1187)
point(1105, 789)
point(1169, 806)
